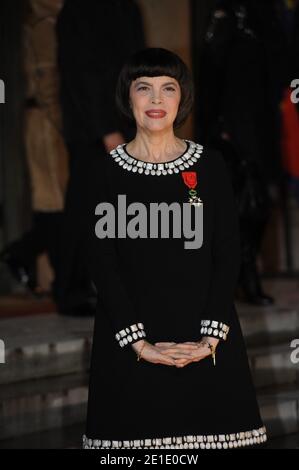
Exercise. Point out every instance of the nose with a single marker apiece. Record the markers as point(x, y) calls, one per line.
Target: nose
point(156, 97)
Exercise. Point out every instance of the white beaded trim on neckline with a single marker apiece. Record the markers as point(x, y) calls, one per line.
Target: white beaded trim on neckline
point(129, 163)
point(218, 441)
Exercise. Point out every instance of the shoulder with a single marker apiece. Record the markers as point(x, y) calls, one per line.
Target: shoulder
point(215, 167)
point(97, 164)
point(212, 157)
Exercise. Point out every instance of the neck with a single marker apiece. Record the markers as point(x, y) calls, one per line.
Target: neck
point(156, 146)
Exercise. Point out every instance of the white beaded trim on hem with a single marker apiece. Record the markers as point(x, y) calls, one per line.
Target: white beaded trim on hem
point(214, 328)
point(220, 441)
point(129, 335)
point(129, 163)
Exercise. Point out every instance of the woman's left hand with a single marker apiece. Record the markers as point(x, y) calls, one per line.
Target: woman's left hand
point(196, 354)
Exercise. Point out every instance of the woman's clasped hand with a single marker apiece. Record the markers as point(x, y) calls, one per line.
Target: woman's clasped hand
point(174, 354)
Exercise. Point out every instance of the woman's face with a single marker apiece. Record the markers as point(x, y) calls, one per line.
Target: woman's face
point(155, 102)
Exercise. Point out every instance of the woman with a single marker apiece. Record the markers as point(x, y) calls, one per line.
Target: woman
point(167, 304)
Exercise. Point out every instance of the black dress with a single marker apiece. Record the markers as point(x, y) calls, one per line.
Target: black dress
point(157, 288)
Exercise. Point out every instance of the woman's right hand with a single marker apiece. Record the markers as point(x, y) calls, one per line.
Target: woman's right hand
point(165, 355)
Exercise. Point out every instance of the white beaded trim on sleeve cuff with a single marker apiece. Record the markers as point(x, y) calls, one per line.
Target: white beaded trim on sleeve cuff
point(131, 334)
point(214, 328)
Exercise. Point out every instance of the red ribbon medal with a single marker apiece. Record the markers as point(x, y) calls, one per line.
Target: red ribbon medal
point(190, 180)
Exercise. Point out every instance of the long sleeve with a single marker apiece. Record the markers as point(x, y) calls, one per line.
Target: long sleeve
point(107, 273)
point(226, 253)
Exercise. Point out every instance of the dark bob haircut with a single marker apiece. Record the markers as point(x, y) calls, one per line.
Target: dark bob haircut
point(155, 62)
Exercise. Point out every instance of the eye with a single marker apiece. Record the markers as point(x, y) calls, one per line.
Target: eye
point(144, 87)
point(170, 88)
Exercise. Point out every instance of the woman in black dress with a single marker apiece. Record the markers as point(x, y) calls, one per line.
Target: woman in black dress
point(166, 285)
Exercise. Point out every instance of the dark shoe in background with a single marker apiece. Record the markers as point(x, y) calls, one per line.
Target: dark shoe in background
point(250, 284)
point(78, 303)
point(24, 274)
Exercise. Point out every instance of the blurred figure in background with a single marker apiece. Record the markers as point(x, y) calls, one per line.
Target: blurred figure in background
point(243, 76)
point(290, 107)
point(95, 38)
point(45, 149)
point(295, 43)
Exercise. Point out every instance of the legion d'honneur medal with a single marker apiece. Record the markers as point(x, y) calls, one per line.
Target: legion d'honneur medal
point(190, 180)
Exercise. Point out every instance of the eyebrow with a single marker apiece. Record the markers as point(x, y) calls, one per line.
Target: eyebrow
point(147, 83)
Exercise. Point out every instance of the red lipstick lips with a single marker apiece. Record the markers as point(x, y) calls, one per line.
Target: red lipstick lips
point(155, 113)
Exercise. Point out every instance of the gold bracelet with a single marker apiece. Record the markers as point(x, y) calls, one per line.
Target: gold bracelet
point(139, 353)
